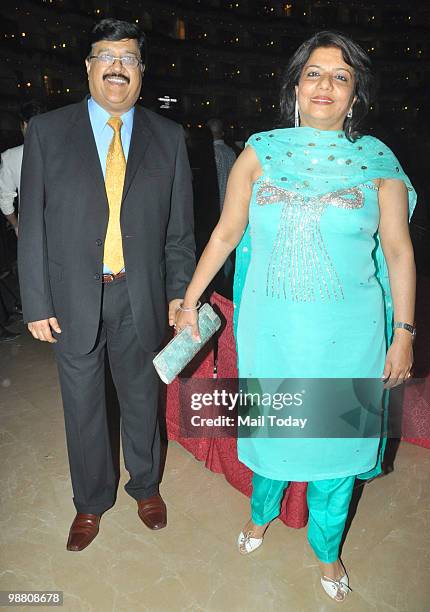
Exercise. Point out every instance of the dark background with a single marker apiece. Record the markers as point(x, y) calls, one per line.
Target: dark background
point(224, 58)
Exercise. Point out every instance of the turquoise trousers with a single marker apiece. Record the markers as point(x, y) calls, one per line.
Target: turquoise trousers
point(328, 503)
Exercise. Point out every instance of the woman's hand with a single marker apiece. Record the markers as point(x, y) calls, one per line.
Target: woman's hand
point(399, 360)
point(188, 318)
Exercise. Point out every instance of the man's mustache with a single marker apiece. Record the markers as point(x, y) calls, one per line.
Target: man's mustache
point(116, 74)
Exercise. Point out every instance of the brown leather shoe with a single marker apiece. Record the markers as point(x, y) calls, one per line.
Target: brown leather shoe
point(84, 529)
point(152, 511)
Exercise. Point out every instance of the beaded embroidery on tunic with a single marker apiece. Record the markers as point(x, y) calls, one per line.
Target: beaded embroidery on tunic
point(300, 266)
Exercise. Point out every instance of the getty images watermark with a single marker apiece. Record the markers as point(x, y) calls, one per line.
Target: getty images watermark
point(302, 408)
point(232, 402)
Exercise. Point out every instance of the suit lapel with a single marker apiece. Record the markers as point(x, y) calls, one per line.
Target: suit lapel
point(140, 138)
point(82, 138)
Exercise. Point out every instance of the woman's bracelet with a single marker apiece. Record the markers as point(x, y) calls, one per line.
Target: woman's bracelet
point(196, 307)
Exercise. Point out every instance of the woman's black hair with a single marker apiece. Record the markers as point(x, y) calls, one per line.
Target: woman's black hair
point(114, 29)
point(352, 54)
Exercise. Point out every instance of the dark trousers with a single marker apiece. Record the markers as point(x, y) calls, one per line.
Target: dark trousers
point(82, 379)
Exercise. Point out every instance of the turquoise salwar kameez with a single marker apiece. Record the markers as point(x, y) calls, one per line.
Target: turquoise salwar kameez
point(312, 300)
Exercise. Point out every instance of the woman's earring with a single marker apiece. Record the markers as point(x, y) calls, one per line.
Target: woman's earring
point(349, 113)
point(296, 114)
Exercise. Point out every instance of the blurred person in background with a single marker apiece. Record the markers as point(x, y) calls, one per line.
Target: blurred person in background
point(10, 177)
point(11, 162)
point(224, 157)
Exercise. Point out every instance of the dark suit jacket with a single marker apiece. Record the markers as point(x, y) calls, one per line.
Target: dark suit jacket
point(64, 215)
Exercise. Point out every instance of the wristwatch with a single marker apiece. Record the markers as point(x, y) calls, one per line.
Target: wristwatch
point(410, 328)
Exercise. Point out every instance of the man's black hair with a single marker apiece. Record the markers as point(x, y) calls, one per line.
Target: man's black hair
point(114, 29)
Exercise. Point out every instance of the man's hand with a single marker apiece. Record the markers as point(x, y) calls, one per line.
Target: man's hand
point(41, 330)
point(173, 307)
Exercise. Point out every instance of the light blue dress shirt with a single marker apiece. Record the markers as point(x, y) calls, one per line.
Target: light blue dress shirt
point(103, 134)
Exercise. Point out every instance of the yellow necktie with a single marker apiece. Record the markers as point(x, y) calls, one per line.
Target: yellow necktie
point(114, 181)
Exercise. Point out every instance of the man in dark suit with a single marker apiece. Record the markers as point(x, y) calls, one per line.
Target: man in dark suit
point(106, 251)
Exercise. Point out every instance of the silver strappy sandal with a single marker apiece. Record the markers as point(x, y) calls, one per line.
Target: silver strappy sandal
point(336, 589)
point(247, 544)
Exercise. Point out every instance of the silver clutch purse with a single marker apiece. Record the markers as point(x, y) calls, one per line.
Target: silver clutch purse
point(173, 358)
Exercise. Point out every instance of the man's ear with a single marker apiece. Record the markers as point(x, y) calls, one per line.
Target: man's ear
point(87, 65)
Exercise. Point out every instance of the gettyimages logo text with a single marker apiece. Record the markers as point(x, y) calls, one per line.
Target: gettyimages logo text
point(230, 401)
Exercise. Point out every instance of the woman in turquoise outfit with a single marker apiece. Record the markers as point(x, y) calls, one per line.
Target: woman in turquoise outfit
point(324, 273)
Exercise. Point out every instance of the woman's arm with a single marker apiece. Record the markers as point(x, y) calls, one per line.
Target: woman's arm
point(226, 235)
point(399, 255)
